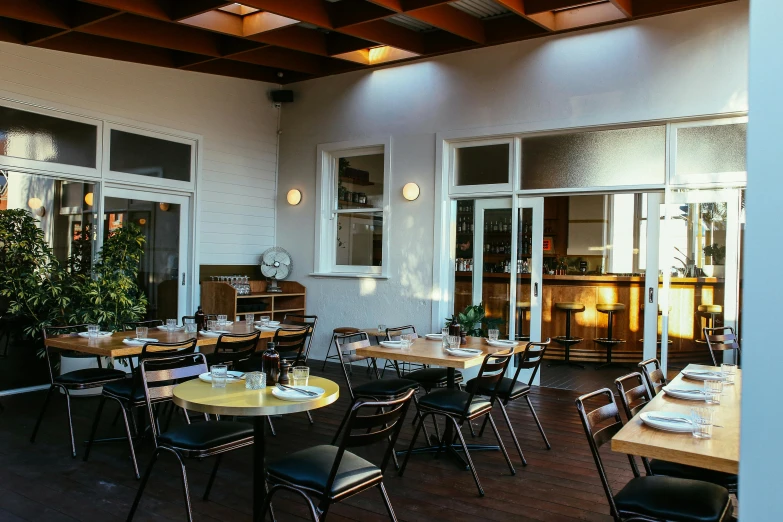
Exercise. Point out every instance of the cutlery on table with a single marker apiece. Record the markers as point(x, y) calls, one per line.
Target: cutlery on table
point(283, 387)
point(669, 419)
point(700, 392)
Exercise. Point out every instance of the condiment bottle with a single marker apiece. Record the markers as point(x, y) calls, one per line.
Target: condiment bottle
point(270, 362)
point(201, 319)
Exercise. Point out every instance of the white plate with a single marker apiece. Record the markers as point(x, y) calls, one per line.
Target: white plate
point(268, 323)
point(703, 375)
point(464, 352)
point(139, 341)
point(502, 343)
point(291, 395)
point(176, 328)
point(100, 334)
point(434, 337)
point(673, 426)
point(397, 345)
point(232, 376)
point(213, 333)
point(688, 394)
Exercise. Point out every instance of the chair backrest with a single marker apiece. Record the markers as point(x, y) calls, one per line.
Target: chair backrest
point(159, 376)
point(530, 359)
point(490, 374)
point(600, 425)
point(393, 334)
point(346, 344)
point(371, 427)
point(56, 331)
point(303, 320)
point(160, 349)
point(654, 377)
point(291, 340)
point(634, 393)
point(152, 323)
point(232, 348)
point(720, 340)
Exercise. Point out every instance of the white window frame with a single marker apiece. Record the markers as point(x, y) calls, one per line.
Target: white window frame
point(327, 212)
point(707, 179)
point(493, 188)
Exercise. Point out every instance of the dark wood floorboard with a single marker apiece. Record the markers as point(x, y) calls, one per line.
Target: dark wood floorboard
point(41, 482)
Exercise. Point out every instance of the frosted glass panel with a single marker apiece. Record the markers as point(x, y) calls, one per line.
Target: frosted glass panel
point(484, 165)
point(707, 150)
point(146, 156)
point(29, 135)
point(595, 159)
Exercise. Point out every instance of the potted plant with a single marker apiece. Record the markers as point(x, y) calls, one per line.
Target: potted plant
point(473, 321)
point(717, 255)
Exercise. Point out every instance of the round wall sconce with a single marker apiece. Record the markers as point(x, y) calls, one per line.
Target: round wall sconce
point(142, 221)
point(410, 191)
point(164, 206)
point(88, 199)
point(294, 197)
point(36, 205)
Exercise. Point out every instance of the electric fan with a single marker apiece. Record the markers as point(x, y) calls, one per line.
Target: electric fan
point(276, 265)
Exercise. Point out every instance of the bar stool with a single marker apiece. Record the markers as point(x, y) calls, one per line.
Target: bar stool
point(566, 340)
point(523, 307)
point(658, 341)
point(340, 330)
point(609, 341)
point(709, 312)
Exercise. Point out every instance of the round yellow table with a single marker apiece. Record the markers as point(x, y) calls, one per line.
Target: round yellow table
point(235, 399)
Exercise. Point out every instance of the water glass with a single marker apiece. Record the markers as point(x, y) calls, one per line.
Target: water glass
point(444, 338)
point(454, 341)
point(301, 375)
point(219, 373)
point(190, 325)
point(141, 332)
point(249, 319)
point(171, 325)
point(255, 380)
point(728, 371)
point(92, 330)
point(493, 334)
point(702, 419)
point(713, 391)
point(211, 325)
point(381, 327)
point(222, 320)
point(264, 320)
point(406, 341)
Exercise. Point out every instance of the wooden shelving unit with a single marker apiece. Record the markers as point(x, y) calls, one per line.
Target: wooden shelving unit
point(218, 297)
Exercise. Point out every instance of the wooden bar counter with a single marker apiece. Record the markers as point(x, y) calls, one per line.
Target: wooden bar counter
point(685, 322)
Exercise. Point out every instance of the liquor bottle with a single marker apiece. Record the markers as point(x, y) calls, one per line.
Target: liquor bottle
point(270, 363)
point(471, 226)
point(459, 225)
point(201, 319)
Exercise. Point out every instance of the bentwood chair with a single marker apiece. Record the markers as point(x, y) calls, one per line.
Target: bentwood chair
point(510, 389)
point(84, 379)
point(459, 406)
point(129, 395)
point(722, 340)
point(331, 474)
point(634, 395)
point(651, 498)
point(199, 440)
point(654, 377)
point(232, 349)
point(303, 320)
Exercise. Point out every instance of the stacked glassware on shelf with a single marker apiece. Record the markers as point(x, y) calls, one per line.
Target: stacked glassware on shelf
point(240, 283)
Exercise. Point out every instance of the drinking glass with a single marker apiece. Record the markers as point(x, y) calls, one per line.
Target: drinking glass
point(190, 325)
point(92, 330)
point(301, 375)
point(255, 380)
point(249, 318)
point(171, 325)
point(713, 391)
point(264, 320)
point(493, 334)
point(219, 374)
point(222, 320)
point(454, 341)
point(728, 371)
point(381, 328)
point(211, 325)
point(406, 340)
point(141, 332)
point(702, 421)
point(444, 337)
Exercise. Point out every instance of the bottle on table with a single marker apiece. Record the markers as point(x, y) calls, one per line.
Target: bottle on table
point(201, 319)
point(270, 363)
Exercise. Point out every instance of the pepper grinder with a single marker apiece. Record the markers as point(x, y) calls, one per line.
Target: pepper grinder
point(285, 373)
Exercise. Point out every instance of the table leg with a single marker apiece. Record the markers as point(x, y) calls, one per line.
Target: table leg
point(259, 471)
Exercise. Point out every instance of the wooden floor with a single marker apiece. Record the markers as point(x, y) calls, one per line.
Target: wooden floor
point(41, 482)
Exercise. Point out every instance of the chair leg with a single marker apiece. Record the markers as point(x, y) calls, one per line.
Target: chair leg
point(483, 427)
point(94, 428)
point(70, 421)
point(212, 476)
point(143, 484)
point(41, 415)
point(328, 351)
point(503, 446)
point(271, 426)
point(513, 435)
point(538, 422)
point(410, 448)
point(132, 448)
point(416, 403)
point(309, 417)
point(185, 488)
point(387, 502)
point(467, 456)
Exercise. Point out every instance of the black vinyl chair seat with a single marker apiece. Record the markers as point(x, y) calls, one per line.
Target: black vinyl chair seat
point(203, 435)
point(124, 389)
point(517, 389)
point(385, 387)
point(453, 401)
point(672, 469)
point(310, 468)
point(89, 376)
point(670, 498)
point(433, 377)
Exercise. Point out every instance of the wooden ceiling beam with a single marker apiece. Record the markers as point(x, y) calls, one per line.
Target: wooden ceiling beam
point(247, 71)
point(644, 8)
point(43, 12)
point(625, 7)
point(512, 28)
point(315, 12)
point(453, 20)
point(391, 5)
point(541, 6)
point(351, 12)
point(387, 33)
point(102, 47)
point(282, 58)
point(11, 31)
point(186, 8)
point(150, 8)
point(339, 43)
point(543, 20)
point(295, 37)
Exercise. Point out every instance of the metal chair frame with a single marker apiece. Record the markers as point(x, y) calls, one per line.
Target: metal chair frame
point(397, 331)
point(303, 320)
point(655, 378)
point(233, 348)
point(722, 339)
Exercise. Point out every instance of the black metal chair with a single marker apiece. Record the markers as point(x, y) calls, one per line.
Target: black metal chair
point(84, 379)
point(151, 323)
point(129, 395)
point(340, 330)
point(459, 406)
point(722, 340)
point(232, 349)
point(428, 378)
point(510, 389)
point(331, 473)
point(654, 378)
point(199, 440)
point(303, 320)
point(394, 334)
point(650, 498)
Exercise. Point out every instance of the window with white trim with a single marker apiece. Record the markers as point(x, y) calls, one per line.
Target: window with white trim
point(353, 208)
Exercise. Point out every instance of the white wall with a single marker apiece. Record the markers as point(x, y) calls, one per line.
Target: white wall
point(761, 459)
point(239, 127)
point(692, 63)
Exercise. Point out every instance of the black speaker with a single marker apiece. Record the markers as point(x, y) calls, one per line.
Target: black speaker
point(282, 96)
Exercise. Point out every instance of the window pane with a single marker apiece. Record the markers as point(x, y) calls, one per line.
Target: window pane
point(360, 181)
point(146, 156)
point(595, 159)
point(707, 150)
point(359, 239)
point(484, 165)
point(28, 135)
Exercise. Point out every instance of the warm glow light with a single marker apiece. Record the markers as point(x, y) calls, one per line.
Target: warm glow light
point(88, 198)
point(164, 206)
point(294, 197)
point(142, 221)
point(34, 203)
point(410, 191)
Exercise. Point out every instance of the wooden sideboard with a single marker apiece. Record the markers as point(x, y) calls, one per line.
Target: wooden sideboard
point(221, 298)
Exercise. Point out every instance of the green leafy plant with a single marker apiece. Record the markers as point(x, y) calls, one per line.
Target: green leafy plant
point(716, 252)
point(472, 319)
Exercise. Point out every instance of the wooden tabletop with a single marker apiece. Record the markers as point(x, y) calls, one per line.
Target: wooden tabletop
point(114, 347)
point(425, 351)
point(235, 399)
point(720, 453)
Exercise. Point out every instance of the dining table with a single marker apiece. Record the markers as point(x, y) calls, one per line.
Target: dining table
point(236, 400)
point(718, 453)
